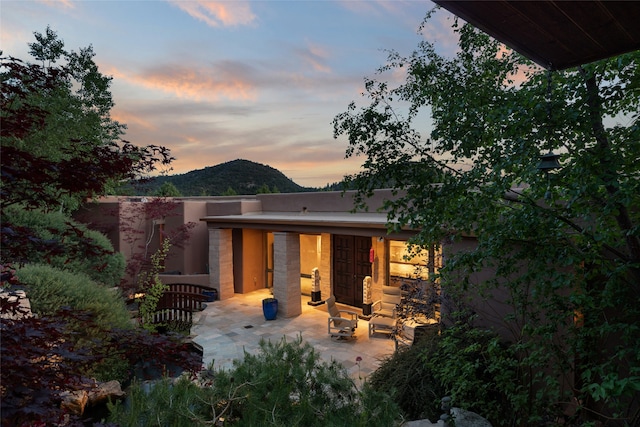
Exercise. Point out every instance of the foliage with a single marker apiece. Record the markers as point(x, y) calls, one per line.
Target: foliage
point(229, 192)
point(59, 143)
point(42, 357)
point(469, 364)
point(478, 372)
point(50, 289)
point(38, 357)
point(133, 223)
point(153, 287)
point(286, 384)
point(562, 248)
point(241, 176)
point(167, 189)
point(410, 380)
point(420, 300)
point(81, 250)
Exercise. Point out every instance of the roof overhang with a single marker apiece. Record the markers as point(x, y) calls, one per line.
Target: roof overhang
point(357, 224)
point(556, 34)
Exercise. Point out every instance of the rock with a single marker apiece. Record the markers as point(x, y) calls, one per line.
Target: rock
point(15, 305)
point(468, 419)
point(461, 418)
point(105, 391)
point(422, 423)
point(75, 401)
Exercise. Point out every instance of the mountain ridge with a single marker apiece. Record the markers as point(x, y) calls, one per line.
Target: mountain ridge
point(238, 176)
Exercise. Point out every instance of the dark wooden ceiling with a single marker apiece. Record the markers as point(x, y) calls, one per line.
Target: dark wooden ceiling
point(556, 34)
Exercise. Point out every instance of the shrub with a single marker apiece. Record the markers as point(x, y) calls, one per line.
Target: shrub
point(411, 381)
point(42, 358)
point(50, 289)
point(471, 365)
point(69, 245)
point(285, 384)
point(480, 373)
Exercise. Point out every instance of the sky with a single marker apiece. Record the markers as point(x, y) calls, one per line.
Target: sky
point(216, 81)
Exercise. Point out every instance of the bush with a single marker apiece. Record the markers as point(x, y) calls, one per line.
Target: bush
point(286, 384)
point(68, 245)
point(411, 381)
point(49, 289)
point(471, 365)
point(42, 358)
point(481, 374)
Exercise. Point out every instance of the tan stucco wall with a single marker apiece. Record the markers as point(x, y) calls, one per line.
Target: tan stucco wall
point(491, 307)
point(322, 201)
point(193, 257)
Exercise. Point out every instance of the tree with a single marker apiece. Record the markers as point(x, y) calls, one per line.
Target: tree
point(565, 246)
point(230, 192)
point(167, 189)
point(59, 143)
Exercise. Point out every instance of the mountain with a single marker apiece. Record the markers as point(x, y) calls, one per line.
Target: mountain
point(234, 177)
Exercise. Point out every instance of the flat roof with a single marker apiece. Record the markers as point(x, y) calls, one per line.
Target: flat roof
point(556, 34)
point(362, 223)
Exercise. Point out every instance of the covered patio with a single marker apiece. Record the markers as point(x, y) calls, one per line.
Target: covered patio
point(225, 329)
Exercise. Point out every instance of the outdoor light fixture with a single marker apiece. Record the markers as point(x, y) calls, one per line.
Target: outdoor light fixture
point(549, 162)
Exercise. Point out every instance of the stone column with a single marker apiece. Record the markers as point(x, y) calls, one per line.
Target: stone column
point(286, 273)
point(221, 262)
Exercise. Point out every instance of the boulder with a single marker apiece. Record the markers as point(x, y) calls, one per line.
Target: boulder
point(468, 419)
point(461, 418)
point(422, 423)
point(105, 391)
point(75, 401)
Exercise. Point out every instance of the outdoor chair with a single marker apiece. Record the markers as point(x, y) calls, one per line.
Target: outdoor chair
point(387, 305)
point(342, 323)
point(383, 319)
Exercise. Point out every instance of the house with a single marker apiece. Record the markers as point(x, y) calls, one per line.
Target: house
point(243, 243)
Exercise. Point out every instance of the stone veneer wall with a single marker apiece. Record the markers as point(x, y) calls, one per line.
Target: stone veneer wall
point(286, 274)
point(221, 262)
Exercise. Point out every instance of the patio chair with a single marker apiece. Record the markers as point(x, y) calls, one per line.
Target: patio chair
point(341, 323)
point(387, 305)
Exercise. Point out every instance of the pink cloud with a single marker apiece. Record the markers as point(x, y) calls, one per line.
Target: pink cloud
point(316, 56)
point(217, 13)
point(193, 82)
point(129, 118)
point(61, 4)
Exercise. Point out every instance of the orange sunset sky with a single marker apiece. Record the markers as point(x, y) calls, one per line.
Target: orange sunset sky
point(216, 81)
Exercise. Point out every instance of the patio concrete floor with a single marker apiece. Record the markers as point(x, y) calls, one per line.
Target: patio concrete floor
point(225, 329)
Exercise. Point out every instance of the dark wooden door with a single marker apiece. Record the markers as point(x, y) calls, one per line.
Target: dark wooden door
point(350, 266)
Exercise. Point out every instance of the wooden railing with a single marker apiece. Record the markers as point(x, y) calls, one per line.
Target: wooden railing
point(179, 302)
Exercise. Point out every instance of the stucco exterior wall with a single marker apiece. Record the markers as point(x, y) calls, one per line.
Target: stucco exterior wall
point(491, 307)
point(321, 201)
